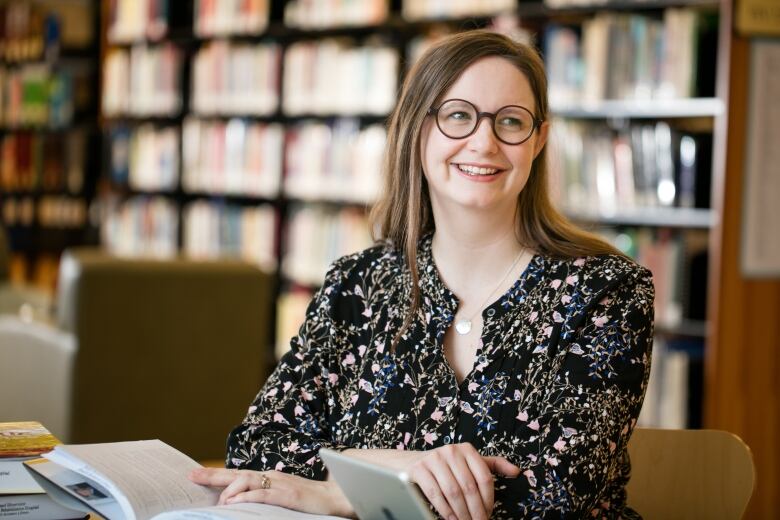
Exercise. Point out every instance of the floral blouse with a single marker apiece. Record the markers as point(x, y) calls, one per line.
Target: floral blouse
point(556, 387)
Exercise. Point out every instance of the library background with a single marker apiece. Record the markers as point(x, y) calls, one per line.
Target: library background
point(253, 130)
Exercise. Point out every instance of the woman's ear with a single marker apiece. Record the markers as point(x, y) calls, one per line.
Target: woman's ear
point(541, 137)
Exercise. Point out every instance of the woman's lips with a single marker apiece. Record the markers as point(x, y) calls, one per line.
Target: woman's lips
point(477, 173)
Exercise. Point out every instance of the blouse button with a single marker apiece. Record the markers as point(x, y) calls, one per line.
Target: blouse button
point(447, 439)
point(491, 312)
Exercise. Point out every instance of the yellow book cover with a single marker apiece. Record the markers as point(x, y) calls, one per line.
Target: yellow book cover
point(25, 439)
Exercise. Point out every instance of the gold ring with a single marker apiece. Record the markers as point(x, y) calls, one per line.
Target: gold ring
point(265, 482)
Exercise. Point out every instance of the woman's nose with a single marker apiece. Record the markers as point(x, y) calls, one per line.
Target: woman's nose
point(484, 139)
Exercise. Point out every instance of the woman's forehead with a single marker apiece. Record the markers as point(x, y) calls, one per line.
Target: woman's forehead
point(490, 83)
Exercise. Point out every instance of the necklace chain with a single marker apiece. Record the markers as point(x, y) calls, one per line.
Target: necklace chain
point(463, 326)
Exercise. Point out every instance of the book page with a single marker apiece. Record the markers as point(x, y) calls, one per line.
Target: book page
point(247, 511)
point(145, 477)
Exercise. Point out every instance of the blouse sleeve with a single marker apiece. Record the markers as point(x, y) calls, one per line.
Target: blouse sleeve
point(287, 424)
point(586, 421)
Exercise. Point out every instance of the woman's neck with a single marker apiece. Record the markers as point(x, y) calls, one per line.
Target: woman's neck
point(473, 249)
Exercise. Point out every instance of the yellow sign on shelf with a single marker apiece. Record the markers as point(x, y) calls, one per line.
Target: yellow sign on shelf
point(758, 17)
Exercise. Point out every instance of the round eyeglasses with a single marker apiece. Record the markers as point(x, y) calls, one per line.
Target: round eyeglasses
point(458, 119)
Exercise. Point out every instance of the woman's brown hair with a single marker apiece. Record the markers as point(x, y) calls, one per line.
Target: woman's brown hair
point(403, 213)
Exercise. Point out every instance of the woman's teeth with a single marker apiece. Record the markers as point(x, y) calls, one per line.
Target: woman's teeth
point(474, 170)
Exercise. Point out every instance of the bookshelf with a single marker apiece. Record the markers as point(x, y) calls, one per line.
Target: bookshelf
point(47, 127)
point(275, 127)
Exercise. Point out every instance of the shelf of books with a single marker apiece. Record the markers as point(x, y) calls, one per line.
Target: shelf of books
point(256, 130)
point(47, 125)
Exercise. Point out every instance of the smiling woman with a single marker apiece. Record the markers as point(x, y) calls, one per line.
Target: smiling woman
point(507, 396)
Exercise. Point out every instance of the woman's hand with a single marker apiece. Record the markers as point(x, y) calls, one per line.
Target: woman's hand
point(280, 489)
point(456, 479)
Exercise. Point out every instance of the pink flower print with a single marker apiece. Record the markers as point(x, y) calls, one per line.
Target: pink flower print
point(552, 461)
point(375, 368)
point(279, 418)
point(293, 447)
point(279, 466)
point(361, 350)
point(437, 415)
point(568, 432)
point(380, 348)
point(365, 386)
point(333, 378)
point(572, 279)
point(533, 316)
point(599, 321)
point(287, 385)
point(367, 313)
point(306, 395)
point(531, 477)
point(605, 301)
point(311, 461)
point(557, 318)
point(430, 437)
point(353, 398)
point(252, 409)
point(272, 392)
point(472, 387)
point(523, 416)
point(534, 425)
point(517, 395)
point(555, 284)
point(299, 410)
point(400, 446)
point(579, 262)
point(349, 359)
point(358, 291)
point(407, 438)
point(548, 331)
point(560, 444)
point(566, 299)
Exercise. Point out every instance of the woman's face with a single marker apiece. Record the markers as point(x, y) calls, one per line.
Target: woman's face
point(480, 171)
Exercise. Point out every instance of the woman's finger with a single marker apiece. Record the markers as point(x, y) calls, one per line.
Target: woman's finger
point(470, 488)
point(242, 483)
point(501, 466)
point(450, 487)
point(483, 478)
point(425, 480)
point(264, 496)
point(217, 477)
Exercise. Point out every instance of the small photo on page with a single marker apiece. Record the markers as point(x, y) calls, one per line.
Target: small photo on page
point(87, 491)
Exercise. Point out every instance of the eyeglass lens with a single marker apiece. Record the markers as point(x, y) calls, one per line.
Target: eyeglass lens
point(457, 119)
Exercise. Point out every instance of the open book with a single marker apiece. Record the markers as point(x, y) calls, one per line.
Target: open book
point(139, 480)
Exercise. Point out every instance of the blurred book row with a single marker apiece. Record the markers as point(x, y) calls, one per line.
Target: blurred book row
point(338, 161)
point(48, 162)
point(631, 56)
point(36, 95)
point(639, 165)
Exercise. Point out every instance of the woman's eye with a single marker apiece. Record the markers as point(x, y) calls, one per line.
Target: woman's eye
point(459, 116)
point(511, 122)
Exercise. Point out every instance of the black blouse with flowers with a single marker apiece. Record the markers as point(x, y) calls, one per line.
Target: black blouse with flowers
point(556, 388)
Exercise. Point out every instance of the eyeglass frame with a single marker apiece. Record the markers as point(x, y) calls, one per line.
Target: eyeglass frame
point(434, 111)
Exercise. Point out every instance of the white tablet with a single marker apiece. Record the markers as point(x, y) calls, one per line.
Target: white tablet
point(375, 492)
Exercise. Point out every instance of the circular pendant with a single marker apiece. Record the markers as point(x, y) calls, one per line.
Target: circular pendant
point(463, 327)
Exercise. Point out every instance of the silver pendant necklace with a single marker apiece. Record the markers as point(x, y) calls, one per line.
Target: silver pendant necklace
point(463, 326)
